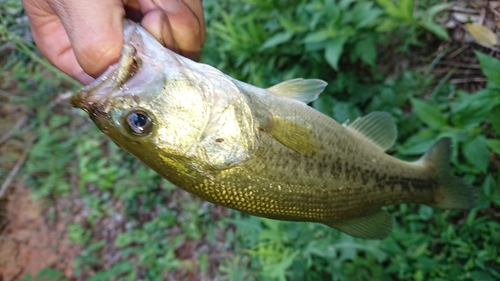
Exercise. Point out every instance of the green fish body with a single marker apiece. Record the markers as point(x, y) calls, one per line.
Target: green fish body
point(262, 151)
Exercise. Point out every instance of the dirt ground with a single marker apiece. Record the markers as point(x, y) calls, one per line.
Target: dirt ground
point(30, 243)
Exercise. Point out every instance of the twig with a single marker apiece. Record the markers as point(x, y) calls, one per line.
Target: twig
point(462, 10)
point(458, 64)
point(18, 125)
point(468, 80)
point(14, 171)
point(458, 51)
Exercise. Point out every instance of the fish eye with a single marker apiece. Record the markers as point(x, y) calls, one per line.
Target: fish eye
point(139, 122)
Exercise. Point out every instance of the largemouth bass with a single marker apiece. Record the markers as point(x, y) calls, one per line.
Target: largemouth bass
point(261, 151)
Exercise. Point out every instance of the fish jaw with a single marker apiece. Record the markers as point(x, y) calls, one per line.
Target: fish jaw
point(142, 60)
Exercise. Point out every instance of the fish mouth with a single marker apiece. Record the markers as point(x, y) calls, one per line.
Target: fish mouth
point(140, 70)
point(111, 81)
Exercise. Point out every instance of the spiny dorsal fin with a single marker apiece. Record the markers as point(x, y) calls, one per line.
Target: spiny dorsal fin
point(304, 90)
point(294, 136)
point(374, 226)
point(377, 127)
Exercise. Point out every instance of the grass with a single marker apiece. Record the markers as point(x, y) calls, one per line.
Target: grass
point(155, 231)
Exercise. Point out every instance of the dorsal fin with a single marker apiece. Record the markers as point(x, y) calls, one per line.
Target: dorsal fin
point(377, 127)
point(304, 90)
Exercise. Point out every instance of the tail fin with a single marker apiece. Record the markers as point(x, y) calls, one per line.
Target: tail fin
point(453, 193)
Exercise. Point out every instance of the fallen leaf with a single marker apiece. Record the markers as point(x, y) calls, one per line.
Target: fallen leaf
point(482, 34)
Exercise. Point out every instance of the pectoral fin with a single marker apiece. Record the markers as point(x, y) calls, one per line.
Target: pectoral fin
point(294, 136)
point(375, 226)
point(304, 90)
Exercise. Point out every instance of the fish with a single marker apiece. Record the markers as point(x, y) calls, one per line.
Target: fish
point(262, 151)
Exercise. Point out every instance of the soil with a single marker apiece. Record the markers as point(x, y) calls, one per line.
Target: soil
point(29, 242)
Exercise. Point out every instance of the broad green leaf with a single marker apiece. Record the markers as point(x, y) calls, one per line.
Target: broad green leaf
point(317, 36)
point(470, 110)
point(287, 23)
point(406, 7)
point(482, 34)
point(428, 113)
point(494, 144)
point(425, 212)
point(390, 8)
point(490, 67)
point(344, 4)
point(482, 275)
point(489, 186)
point(495, 119)
point(277, 39)
point(476, 152)
point(324, 104)
point(343, 111)
point(418, 144)
point(364, 14)
point(334, 49)
point(367, 51)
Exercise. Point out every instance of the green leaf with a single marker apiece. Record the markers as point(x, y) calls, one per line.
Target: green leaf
point(434, 10)
point(495, 119)
point(367, 51)
point(317, 36)
point(277, 39)
point(425, 212)
point(489, 186)
point(343, 111)
point(470, 110)
point(418, 144)
point(476, 152)
point(494, 144)
point(437, 29)
point(428, 113)
point(490, 67)
point(334, 49)
point(406, 8)
point(324, 104)
point(388, 25)
point(390, 8)
point(364, 14)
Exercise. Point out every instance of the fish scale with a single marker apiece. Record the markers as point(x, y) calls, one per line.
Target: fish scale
point(262, 151)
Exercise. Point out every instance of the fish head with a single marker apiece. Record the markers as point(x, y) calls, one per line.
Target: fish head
point(156, 104)
point(151, 100)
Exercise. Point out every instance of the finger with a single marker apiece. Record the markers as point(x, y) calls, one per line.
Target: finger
point(197, 8)
point(155, 22)
point(52, 40)
point(181, 26)
point(94, 30)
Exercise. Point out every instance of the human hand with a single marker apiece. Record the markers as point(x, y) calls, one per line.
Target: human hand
point(83, 38)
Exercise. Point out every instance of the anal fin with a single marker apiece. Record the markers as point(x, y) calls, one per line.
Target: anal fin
point(374, 226)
